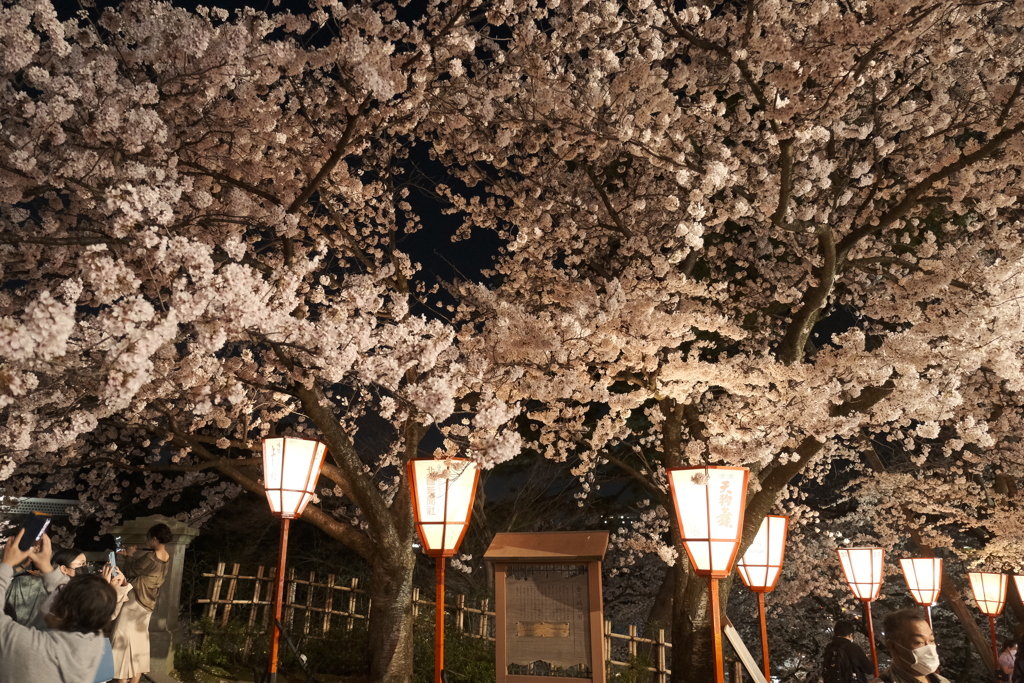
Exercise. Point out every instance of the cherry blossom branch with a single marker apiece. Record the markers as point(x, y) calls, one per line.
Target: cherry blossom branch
point(792, 346)
point(1009, 102)
point(345, 533)
point(607, 202)
point(224, 178)
point(83, 241)
point(912, 197)
point(336, 156)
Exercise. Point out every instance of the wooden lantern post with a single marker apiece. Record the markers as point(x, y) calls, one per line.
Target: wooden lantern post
point(290, 469)
point(924, 579)
point(442, 501)
point(709, 503)
point(863, 568)
point(989, 591)
point(760, 568)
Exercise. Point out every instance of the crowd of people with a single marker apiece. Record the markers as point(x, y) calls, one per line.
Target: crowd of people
point(63, 623)
point(913, 656)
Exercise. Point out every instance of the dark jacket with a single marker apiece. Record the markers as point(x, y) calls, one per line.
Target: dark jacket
point(845, 662)
point(1018, 670)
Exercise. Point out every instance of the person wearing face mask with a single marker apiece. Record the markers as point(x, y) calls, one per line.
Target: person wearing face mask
point(911, 645)
point(68, 561)
point(70, 650)
point(1007, 657)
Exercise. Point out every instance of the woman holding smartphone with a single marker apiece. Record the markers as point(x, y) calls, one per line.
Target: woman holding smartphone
point(146, 571)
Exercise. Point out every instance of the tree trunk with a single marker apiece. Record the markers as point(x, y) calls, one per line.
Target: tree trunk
point(391, 622)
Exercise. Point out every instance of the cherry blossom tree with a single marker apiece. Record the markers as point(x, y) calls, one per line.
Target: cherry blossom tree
point(764, 233)
point(199, 227)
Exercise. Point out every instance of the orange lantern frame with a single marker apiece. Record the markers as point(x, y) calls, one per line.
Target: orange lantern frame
point(924, 581)
point(988, 604)
point(693, 537)
point(857, 583)
point(276, 494)
point(440, 554)
point(772, 537)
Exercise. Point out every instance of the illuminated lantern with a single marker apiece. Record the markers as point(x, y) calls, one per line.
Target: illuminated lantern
point(760, 567)
point(290, 469)
point(442, 500)
point(863, 568)
point(924, 579)
point(990, 594)
point(709, 503)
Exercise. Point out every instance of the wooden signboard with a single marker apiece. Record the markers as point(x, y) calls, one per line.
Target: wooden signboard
point(752, 667)
point(548, 609)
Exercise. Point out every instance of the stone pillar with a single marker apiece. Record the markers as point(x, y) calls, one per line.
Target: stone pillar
point(163, 626)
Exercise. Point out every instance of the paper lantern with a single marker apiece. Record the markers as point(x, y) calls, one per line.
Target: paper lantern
point(709, 504)
point(290, 469)
point(761, 565)
point(442, 497)
point(863, 568)
point(989, 592)
point(924, 579)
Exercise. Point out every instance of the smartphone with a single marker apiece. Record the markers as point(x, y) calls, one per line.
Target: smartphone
point(34, 525)
point(113, 561)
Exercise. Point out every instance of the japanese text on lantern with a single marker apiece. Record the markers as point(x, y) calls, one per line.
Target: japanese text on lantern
point(724, 505)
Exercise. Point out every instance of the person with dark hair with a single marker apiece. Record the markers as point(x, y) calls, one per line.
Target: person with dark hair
point(70, 651)
point(1007, 657)
point(911, 646)
point(146, 571)
point(68, 560)
point(844, 661)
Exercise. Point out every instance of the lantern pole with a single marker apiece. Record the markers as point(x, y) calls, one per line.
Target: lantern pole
point(764, 635)
point(275, 637)
point(995, 646)
point(928, 612)
point(292, 471)
point(716, 631)
point(871, 634)
point(439, 622)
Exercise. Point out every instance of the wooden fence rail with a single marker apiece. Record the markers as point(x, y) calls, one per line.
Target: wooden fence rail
point(313, 608)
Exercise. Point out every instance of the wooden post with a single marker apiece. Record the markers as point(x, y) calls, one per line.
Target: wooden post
point(764, 636)
point(716, 632)
point(995, 645)
point(329, 604)
point(439, 621)
point(484, 606)
point(737, 672)
point(352, 604)
point(289, 606)
point(662, 669)
point(460, 612)
point(415, 603)
point(253, 611)
point(231, 586)
point(309, 603)
point(871, 635)
point(275, 633)
point(211, 609)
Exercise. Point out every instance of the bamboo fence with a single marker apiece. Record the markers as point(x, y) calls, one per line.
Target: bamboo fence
point(314, 608)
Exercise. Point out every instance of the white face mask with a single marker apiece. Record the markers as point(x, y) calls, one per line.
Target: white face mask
point(925, 659)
